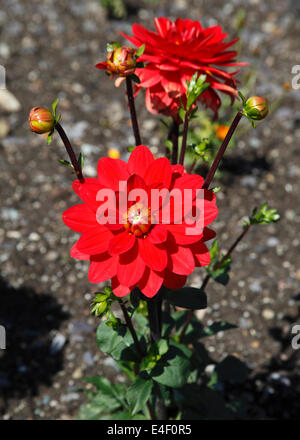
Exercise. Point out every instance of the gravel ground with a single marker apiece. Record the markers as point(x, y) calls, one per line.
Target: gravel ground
point(49, 49)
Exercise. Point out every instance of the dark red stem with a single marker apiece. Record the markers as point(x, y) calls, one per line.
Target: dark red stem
point(193, 165)
point(184, 138)
point(135, 125)
point(70, 151)
point(173, 137)
point(222, 149)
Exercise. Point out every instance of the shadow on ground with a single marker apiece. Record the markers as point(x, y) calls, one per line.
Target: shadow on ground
point(34, 350)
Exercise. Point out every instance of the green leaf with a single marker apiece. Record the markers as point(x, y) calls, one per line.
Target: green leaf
point(162, 346)
point(182, 113)
point(199, 402)
point(242, 97)
point(173, 368)
point(138, 394)
point(214, 249)
point(81, 160)
point(168, 144)
point(110, 397)
point(135, 78)
point(65, 162)
point(140, 65)
point(54, 105)
point(117, 342)
point(116, 391)
point(264, 215)
point(49, 138)
point(221, 275)
point(187, 297)
point(140, 51)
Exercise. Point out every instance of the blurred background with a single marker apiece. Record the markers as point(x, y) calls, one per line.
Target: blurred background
point(49, 50)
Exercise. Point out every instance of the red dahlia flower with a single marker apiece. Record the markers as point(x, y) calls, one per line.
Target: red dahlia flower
point(139, 251)
point(177, 51)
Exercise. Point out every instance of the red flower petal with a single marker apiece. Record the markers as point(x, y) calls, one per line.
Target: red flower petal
point(75, 253)
point(87, 191)
point(140, 159)
point(121, 243)
point(181, 262)
point(208, 234)
point(180, 235)
point(158, 234)
point(95, 240)
point(111, 171)
point(162, 25)
point(173, 281)
point(118, 289)
point(189, 181)
point(150, 283)
point(201, 255)
point(102, 65)
point(79, 218)
point(159, 173)
point(131, 267)
point(154, 257)
point(102, 268)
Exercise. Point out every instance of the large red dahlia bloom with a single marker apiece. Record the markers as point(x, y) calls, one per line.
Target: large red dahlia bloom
point(174, 53)
point(136, 252)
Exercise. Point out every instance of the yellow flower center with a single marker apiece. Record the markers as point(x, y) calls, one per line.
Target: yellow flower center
point(138, 220)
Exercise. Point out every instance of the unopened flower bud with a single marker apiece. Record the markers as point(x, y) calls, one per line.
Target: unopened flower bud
point(41, 120)
point(121, 60)
point(256, 108)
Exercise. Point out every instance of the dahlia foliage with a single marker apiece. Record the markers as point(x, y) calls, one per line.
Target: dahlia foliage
point(144, 224)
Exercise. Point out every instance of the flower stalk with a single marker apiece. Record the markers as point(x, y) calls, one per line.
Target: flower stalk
point(184, 137)
point(135, 125)
point(70, 151)
point(131, 329)
point(222, 150)
point(173, 137)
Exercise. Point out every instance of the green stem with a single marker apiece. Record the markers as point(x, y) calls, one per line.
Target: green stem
point(131, 329)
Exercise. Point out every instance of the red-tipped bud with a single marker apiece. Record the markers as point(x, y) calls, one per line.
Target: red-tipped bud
point(41, 120)
point(120, 61)
point(256, 108)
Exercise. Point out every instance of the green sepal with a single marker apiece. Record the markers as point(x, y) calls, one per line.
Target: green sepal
point(140, 51)
point(135, 78)
point(110, 47)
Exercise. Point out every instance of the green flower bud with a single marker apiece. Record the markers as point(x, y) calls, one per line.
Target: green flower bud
point(256, 108)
